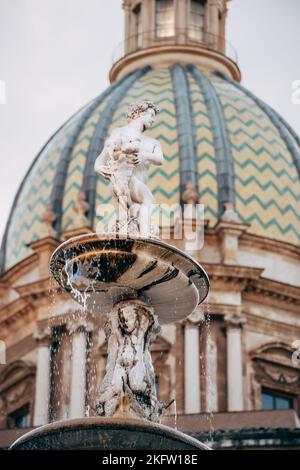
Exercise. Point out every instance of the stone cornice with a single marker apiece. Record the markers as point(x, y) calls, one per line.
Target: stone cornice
point(166, 54)
point(238, 277)
point(246, 280)
point(36, 289)
point(18, 270)
point(13, 311)
point(273, 246)
point(275, 291)
point(264, 325)
point(249, 282)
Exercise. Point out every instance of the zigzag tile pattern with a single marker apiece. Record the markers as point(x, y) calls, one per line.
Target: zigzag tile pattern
point(26, 224)
point(206, 159)
point(266, 181)
point(77, 166)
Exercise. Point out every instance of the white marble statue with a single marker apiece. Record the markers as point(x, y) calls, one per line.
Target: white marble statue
point(125, 160)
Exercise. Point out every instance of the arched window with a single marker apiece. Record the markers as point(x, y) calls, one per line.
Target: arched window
point(165, 18)
point(138, 25)
point(196, 23)
point(17, 385)
point(276, 380)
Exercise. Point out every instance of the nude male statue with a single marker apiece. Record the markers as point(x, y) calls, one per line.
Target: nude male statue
point(125, 160)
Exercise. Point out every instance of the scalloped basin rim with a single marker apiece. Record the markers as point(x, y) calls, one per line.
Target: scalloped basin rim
point(99, 271)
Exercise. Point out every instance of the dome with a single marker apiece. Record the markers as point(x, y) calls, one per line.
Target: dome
point(213, 131)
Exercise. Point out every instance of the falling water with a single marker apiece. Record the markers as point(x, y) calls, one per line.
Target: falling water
point(175, 411)
point(209, 379)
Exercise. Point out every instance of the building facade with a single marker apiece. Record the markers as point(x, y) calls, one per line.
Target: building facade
point(232, 367)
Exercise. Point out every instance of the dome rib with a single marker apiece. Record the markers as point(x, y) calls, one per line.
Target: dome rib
point(281, 125)
point(185, 127)
point(90, 178)
point(222, 144)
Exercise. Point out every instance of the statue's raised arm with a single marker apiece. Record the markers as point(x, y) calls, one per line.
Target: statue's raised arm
point(125, 160)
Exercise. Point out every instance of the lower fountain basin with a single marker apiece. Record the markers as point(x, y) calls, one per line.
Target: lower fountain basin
point(99, 271)
point(106, 434)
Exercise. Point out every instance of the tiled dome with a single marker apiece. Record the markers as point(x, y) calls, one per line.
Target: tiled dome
point(233, 146)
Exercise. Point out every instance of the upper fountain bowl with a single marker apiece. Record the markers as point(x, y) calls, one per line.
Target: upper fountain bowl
point(100, 271)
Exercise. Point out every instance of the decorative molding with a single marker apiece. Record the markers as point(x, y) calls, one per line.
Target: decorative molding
point(281, 376)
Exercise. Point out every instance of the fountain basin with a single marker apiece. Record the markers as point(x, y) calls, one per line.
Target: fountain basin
point(99, 271)
point(106, 434)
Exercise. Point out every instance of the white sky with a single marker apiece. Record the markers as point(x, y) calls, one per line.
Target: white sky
point(55, 56)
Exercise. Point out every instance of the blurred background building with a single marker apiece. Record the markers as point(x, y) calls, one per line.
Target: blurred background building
point(230, 366)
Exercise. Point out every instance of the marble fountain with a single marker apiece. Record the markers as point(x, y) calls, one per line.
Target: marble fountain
point(138, 282)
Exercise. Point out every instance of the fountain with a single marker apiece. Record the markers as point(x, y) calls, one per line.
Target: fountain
point(138, 282)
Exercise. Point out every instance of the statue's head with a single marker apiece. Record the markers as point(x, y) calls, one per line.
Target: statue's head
point(128, 318)
point(145, 111)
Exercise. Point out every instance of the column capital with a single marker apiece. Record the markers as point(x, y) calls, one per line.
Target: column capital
point(79, 325)
point(42, 335)
point(233, 320)
point(194, 319)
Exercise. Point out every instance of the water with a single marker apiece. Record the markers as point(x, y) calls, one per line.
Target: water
point(208, 372)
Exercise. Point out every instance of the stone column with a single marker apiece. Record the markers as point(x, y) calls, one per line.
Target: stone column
point(42, 383)
point(191, 366)
point(78, 328)
point(235, 399)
